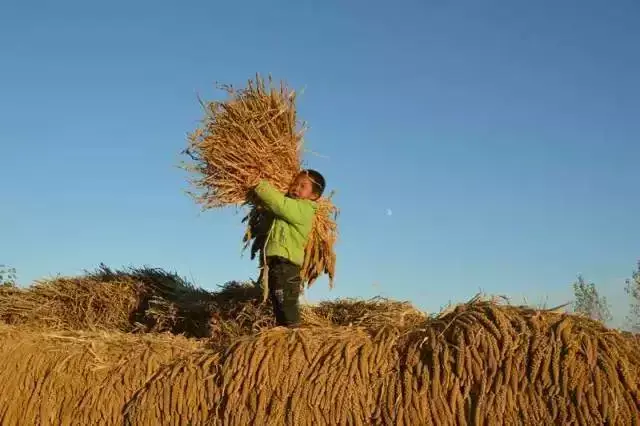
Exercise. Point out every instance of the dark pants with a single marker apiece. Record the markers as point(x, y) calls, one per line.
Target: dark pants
point(284, 290)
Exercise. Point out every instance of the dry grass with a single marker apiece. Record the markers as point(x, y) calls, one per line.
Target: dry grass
point(253, 135)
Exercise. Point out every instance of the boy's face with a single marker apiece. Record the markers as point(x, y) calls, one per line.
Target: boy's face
point(302, 188)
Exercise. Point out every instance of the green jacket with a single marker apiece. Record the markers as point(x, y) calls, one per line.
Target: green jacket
point(291, 225)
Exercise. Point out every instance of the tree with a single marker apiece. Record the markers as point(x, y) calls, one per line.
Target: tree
point(7, 276)
point(589, 302)
point(633, 290)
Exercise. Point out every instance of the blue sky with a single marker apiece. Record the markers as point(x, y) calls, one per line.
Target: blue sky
point(503, 135)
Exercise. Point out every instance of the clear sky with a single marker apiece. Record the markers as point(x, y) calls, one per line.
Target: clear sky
point(503, 136)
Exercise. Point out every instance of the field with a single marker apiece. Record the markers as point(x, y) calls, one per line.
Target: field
point(145, 347)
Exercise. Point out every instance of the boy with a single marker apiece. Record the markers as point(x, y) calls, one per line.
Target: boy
point(293, 218)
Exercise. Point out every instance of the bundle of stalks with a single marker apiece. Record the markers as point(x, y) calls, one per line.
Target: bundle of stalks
point(167, 302)
point(635, 338)
point(236, 310)
point(320, 257)
point(72, 303)
point(375, 313)
point(75, 378)
point(255, 135)
point(184, 392)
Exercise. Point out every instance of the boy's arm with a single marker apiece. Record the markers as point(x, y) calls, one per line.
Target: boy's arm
point(293, 211)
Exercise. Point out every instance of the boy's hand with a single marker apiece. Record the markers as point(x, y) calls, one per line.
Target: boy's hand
point(254, 182)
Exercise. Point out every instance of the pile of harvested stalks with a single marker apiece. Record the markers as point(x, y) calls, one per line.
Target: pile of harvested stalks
point(137, 299)
point(78, 378)
point(167, 301)
point(251, 136)
point(78, 303)
point(249, 384)
point(478, 363)
point(236, 310)
point(481, 363)
point(373, 314)
point(153, 300)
